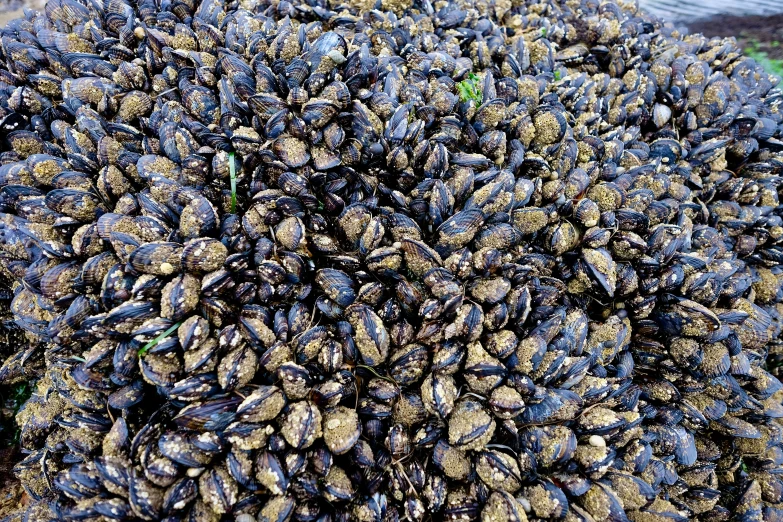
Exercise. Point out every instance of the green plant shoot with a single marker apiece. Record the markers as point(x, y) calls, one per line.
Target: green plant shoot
point(469, 89)
point(158, 339)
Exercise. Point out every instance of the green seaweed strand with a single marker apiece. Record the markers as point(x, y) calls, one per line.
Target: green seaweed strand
point(158, 339)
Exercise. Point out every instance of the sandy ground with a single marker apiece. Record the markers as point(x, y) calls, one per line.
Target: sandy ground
point(13, 498)
point(765, 32)
point(10, 15)
point(15, 9)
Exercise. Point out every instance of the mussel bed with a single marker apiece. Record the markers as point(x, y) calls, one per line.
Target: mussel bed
point(319, 261)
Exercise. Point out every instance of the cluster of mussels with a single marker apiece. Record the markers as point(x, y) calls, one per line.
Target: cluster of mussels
point(306, 260)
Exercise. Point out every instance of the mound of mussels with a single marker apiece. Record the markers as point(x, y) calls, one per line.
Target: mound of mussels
point(318, 261)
